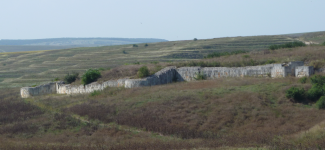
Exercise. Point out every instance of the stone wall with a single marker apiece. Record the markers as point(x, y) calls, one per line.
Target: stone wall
point(173, 74)
point(81, 89)
point(49, 88)
point(304, 71)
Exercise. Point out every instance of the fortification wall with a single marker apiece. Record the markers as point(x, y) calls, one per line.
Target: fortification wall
point(172, 74)
point(81, 89)
point(164, 76)
point(48, 88)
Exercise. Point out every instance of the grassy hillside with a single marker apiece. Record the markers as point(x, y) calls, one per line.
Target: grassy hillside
point(227, 113)
point(36, 67)
point(220, 114)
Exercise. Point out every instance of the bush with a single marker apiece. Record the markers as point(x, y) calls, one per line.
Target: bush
point(57, 79)
point(320, 104)
point(298, 94)
point(95, 93)
point(135, 45)
point(287, 45)
point(317, 80)
point(200, 76)
point(91, 75)
point(69, 78)
point(143, 72)
point(195, 39)
point(314, 93)
point(323, 44)
point(145, 45)
point(303, 80)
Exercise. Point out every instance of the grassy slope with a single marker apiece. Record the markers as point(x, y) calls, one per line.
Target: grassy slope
point(29, 68)
point(224, 113)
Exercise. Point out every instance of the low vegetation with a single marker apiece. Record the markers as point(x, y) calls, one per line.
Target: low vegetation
point(288, 45)
point(69, 78)
point(218, 54)
point(91, 75)
point(143, 72)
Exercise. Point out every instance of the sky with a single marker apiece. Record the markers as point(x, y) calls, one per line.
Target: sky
point(165, 19)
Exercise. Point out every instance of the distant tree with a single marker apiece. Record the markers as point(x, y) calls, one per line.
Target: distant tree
point(145, 45)
point(195, 39)
point(135, 45)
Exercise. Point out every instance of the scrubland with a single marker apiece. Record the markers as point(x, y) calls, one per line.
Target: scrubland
point(211, 114)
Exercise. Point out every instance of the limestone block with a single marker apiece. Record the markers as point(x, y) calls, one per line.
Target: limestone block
point(187, 73)
point(304, 71)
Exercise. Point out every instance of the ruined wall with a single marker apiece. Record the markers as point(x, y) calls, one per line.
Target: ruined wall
point(278, 71)
point(293, 66)
point(173, 74)
point(48, 88)
point(304, 71)
point(164, 76)
point(81, 89)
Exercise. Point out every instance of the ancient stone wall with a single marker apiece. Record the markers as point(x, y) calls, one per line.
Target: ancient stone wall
point(304, 71)
point(173, 74)
point(49, 88)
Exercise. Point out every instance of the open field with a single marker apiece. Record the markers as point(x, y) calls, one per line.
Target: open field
point(36, 67)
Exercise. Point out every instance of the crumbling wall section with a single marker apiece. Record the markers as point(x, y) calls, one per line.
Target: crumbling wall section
point(44, 89)
point(164, 76)
point(304, 71)
point(81, 89)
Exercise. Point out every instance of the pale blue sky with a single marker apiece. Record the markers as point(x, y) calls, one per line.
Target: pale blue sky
point(166, 19)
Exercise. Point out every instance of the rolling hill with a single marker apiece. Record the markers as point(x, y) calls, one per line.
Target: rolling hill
point(7, 45)
point(35, 67)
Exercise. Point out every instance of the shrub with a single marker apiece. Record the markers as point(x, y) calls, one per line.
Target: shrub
point(287, 45)
point(135, 45)
point(57, 79)
point(271, 61)
point(317, 80)
point(245, 56)
point(69, 78)
point(91, 75)
point(298, 94)
point(195, 39)
point(320, 104)
point(145, 45)
point(124, 52)
point(200, 76)
point(95, 93)
point(143, 72)
point(323, 44)
point(315, 93)
point(303, 80)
